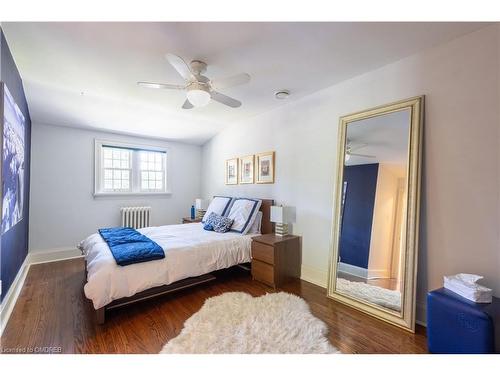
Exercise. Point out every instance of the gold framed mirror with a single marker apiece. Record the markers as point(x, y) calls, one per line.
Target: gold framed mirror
point(373, 264)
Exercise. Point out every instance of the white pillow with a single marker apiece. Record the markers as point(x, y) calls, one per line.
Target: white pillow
point(219, 205)
point(243, 212)
point(257, 224)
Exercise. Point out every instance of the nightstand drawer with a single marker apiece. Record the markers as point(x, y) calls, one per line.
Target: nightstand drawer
point(263, 272)
point(262, 252)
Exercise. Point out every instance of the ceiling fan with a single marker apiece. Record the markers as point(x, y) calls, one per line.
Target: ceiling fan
point(200, 89)
point(350, 148)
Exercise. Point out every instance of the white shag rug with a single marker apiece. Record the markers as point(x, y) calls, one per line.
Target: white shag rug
point(371, 293)
point(237, 323)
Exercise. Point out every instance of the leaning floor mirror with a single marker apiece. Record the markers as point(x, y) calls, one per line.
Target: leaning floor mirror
point(375, 228)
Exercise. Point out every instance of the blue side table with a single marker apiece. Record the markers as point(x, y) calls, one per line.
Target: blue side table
point(457, 325)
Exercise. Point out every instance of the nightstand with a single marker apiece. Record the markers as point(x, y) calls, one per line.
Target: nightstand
point(187, 220)
point(276, 260)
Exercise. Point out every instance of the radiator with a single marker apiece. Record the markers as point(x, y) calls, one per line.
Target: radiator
point(136, 217)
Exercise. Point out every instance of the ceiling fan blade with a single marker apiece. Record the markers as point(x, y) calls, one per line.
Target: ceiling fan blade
point(238, 79)
point(187, 105)
point(363, 156)
point(224, 99)
point(153, 85)
point(180, 65)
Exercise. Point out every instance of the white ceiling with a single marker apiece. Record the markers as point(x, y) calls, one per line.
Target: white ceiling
point(60, 61)
point(385, 137)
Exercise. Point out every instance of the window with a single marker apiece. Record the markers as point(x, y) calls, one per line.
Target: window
point(117, 168)
point(152, 170)
point(129, 169)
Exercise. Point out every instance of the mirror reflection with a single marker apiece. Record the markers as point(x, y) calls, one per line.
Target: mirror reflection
point(373, 209)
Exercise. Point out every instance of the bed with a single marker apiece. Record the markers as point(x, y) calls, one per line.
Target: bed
point(191, 254)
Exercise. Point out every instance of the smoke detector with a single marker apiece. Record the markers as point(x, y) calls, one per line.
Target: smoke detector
point(282, 94)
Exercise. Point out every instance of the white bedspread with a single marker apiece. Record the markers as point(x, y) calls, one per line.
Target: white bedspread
point(189, 251)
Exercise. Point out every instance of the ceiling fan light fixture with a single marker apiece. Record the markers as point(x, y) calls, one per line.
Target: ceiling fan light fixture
point(198, 95)
point(200, 90)
point(198, 98)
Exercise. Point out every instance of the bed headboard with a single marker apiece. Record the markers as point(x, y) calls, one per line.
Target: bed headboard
point(267, 226)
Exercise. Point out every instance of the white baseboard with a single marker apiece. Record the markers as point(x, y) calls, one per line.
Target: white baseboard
point(314, 275)
point(378, 274)
point(353, 270)
point(364, 273)
point(34, 257)
point(54, 255)
point(11, 296)
point(421, 313)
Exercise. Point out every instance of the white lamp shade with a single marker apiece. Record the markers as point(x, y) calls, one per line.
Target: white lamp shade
point(201, 204)
point(198, 98)
point(281, 214)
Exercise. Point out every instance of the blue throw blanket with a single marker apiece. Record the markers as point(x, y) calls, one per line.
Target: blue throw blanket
point(128, 246)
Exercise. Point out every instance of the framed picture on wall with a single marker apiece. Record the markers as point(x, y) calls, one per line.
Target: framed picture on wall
point(232, 171)
point(13, 129)
point(265, 167)
point(246, 169)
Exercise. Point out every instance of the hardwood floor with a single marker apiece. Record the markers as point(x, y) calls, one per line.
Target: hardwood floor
point(52, 311)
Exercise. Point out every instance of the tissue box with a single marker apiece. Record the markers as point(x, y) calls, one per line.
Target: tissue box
point(466, 285)
point(457, 325)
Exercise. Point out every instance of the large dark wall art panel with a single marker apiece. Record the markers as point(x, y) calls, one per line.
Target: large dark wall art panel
point(16, 137)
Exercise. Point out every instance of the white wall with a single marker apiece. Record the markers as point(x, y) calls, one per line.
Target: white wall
point(63, 210)
point(460, 187)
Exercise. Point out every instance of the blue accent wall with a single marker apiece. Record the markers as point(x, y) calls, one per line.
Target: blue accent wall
point(357, 215)
point(14, 243)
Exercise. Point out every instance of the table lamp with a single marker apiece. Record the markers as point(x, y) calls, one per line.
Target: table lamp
point(282, 216)
point(201, 206)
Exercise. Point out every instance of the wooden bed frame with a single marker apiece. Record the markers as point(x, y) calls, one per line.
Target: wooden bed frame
point(266, 227)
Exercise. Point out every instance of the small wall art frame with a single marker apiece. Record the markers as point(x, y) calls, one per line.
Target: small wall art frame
point(232, 171)
point(265, 167)
point(247, 169)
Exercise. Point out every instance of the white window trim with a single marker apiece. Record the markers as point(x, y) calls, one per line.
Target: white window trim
point(98, 171)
